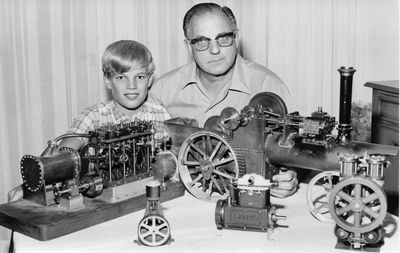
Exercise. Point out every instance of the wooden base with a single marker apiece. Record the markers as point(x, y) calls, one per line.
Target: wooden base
point(46, 223)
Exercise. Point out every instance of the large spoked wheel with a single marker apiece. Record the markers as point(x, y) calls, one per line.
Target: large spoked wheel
point(154, 230)
point(207, 162)
point(358, 205)
point(318, 192)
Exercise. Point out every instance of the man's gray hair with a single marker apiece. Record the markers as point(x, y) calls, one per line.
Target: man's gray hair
point(202, 8)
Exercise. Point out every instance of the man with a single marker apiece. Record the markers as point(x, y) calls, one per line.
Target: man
point(218, 77)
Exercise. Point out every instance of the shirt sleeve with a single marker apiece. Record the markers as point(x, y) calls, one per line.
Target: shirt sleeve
point(86, 121)
point(160, 114)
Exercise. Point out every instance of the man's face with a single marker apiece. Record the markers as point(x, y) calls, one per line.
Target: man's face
point(216, 60)
point(129, 89)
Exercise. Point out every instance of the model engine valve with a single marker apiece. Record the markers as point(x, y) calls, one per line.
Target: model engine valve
point(358, 204)
point(248, 206)
point(153, 229)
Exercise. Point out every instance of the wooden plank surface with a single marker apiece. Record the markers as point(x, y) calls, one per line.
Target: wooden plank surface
point(46, 223)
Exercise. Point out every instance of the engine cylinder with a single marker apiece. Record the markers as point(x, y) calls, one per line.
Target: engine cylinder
point(57, 167)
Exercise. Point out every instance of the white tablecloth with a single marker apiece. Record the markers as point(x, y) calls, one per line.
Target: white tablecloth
point(193, 229)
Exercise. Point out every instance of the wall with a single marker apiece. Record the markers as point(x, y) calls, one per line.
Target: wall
point(50, 54)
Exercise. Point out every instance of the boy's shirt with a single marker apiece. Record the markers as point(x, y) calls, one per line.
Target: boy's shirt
point(104, 114)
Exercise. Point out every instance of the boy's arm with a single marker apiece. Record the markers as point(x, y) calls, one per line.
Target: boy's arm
point(86, 121)
point(74, 143)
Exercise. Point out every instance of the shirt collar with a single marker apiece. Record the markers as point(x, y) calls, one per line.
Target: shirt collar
point(120, 116)
point(240, 81)
point(191, 77)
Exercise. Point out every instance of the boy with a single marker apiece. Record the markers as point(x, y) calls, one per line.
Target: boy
point(128, 72)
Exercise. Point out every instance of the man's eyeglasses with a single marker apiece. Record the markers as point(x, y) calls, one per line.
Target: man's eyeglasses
point(223, 40)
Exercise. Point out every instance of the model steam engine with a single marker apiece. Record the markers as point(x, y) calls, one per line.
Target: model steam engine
point(357, 203)
point(248, 206)
point(262, 137)
point(115, 165)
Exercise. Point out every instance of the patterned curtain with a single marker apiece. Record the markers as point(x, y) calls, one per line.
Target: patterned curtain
point(50, 56)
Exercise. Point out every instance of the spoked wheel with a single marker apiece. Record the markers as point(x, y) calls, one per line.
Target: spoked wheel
point(358, 205)
point(207, 162)
point(318, 192)
point(154, 230)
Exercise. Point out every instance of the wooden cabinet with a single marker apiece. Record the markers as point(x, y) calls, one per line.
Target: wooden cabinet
point(385, 112)
point(385, 130)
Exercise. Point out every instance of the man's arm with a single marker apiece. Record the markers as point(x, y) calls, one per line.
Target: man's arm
point(287, 178)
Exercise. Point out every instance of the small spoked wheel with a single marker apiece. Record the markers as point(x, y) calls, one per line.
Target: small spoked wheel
point(207, 162)
point(154, 230)
point(358, 205)
point(318, 192)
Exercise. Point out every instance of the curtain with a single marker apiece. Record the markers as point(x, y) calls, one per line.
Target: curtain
point(50, 54)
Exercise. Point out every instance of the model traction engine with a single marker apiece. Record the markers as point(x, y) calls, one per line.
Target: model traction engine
point(262, 137)
point(114, 165)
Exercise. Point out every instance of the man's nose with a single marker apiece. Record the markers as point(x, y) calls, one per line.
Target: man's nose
point(131, 84)
point(214, 47)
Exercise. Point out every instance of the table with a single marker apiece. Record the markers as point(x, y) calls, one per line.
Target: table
point(193, 230)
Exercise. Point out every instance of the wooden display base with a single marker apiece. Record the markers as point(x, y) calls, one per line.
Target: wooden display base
point(46, 223)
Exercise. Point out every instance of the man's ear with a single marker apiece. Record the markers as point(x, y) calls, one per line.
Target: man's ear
point(188, 47)
point(237, 38)
point(107, 82)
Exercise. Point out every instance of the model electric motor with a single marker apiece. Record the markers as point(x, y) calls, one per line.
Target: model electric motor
point(248, 206)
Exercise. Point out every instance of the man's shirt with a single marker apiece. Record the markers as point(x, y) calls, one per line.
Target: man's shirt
point(104, 114)
point(181, 93)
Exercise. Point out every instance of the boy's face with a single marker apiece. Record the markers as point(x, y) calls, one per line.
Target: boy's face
point(129, 89)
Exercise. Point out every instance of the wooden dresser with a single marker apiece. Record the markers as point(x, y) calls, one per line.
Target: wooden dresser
point(385, 130)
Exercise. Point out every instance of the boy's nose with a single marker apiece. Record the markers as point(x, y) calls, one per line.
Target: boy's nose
point(214, 47)
point(131, 84)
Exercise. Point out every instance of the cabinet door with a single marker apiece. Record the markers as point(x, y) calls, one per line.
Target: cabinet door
point(387, 134)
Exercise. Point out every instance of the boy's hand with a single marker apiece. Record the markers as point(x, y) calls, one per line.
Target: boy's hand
point(287, 183)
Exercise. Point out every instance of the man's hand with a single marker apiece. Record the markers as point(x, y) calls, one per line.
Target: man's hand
point(287, 183)
point(15, 194)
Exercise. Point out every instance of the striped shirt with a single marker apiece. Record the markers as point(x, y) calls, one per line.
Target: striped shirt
point(103, 114)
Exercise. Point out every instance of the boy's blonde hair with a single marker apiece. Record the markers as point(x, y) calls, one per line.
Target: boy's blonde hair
point(119, 57)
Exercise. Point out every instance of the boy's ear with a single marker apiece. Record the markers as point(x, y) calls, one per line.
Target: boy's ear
point(107, 82)
point(150, 82)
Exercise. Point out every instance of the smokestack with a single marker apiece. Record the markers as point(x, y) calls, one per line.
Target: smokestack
point(346, 83)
